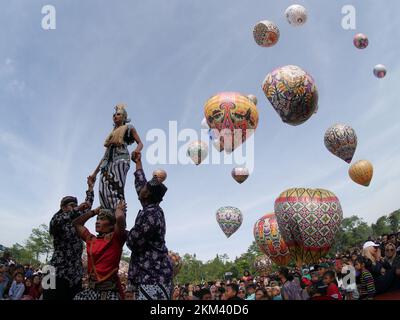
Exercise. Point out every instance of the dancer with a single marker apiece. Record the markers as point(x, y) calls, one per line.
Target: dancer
point(67, 247)
point(114, 165)
point(103, 252)
point(150, 270)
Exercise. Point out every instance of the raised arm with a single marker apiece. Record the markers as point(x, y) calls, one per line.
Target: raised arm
point(140, 178)
point(120, 216)
point(136, 137)
point(79, 223)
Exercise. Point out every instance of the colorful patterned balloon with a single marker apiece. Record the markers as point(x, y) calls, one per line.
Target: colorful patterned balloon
point(240, 174)
point(176, 261)
point(266, 33)
point(160, 174)
point(197, 151)
point(341, 140)
point(263, 265)
point(269, 239)
point(360, 41)
point(309, 220)
point(296, 15)
point(361, 172)
point(253, 98)
point(293, 94)
point(233, 116)
point(380, 71)
point(229, 219)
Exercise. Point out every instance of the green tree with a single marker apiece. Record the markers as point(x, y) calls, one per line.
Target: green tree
point(353, 232)
point(381, 226)
point(40, 242)
point(21, 255)
point(394, 221)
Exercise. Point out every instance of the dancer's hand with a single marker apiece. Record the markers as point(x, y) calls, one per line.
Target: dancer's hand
point(96, 211)
point(121, 206)
point(91, 181)
point(136, 156)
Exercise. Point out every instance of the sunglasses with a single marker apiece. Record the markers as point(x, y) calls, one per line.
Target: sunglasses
point(389, 250)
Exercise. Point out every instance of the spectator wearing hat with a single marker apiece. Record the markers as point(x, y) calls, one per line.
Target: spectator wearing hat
point(68, 247)
point(150, 269)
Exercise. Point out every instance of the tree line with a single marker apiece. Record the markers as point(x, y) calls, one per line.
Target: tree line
point(354, 231)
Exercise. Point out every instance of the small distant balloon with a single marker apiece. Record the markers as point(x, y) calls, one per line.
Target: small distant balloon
point(160, 174)
point(229, 219)
point(380, 71)
point(266, 33)
point(197, 151)
point(253, 98)
point(341, 140)
point(361, 172)
point(240, 174)
point(296, 15)
point(360, 41)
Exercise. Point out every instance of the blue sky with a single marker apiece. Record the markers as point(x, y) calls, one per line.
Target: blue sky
point(165, 58)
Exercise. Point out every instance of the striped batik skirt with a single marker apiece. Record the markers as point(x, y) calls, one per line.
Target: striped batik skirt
point(112, 183)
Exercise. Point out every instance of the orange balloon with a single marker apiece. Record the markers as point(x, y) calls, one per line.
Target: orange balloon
point(361, 172)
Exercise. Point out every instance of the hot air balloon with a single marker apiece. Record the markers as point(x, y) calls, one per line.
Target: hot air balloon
point(160, 174)
point(380, 71)
point(269, 239)
point(266, 33)
point(240, 174)
point(360, 41)
point(176, 262)
point(229, 219)
point(263, 265)
point(253, 98)
point(341, 140)
point(309, 220)
point(233, 117)
point(293, 94)
point(361, 172)
point(197, 151)
point(296, 15)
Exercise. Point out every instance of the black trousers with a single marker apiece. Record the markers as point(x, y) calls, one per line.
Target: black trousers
point(63, 290)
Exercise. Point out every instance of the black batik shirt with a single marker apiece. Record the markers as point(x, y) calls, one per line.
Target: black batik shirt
point(68, 247)
point(149, 263)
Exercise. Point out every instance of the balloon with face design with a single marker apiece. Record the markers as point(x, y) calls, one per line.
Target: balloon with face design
point(229, 219)
point(232, 118)
point(270, 240)
point(309, 220)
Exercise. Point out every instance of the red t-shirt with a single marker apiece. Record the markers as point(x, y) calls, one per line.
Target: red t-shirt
point(104, 254)
point(333, 292)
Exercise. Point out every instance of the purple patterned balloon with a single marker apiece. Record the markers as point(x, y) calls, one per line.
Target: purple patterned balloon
point(293, 94)
point(360, 41)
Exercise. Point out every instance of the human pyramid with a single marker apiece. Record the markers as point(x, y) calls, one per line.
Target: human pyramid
point(150, 271)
